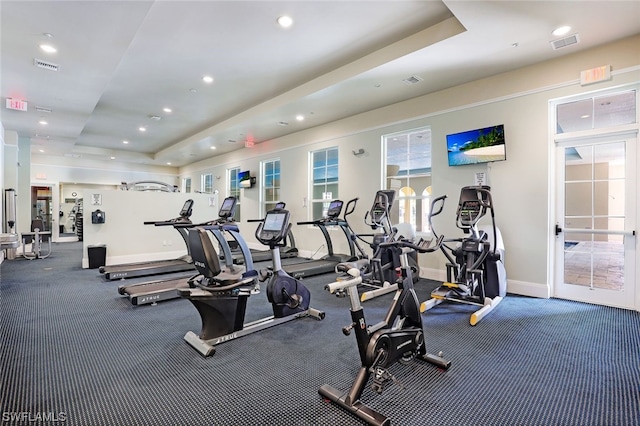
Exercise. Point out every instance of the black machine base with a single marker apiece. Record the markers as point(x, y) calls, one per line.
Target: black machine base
point(357, 408)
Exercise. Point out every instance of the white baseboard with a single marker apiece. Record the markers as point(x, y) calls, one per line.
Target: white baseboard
point(137, 258)
point(522, 288)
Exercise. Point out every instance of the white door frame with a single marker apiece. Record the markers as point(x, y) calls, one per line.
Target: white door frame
point(628, 132)
point(626, 299)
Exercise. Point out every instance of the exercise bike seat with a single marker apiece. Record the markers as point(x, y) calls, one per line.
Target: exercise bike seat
point(205, 259)
point(360, 264)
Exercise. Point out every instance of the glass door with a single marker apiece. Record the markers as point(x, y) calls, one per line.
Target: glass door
point(596, 211)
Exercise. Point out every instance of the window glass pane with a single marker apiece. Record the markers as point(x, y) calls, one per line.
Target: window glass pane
point(331, 192)
point(332, 174)
point(332, 157)
point(615, 197)
point(574, 116)
point(319, 175)
point(578, 199)
point(318, 211)
point(601, 198)
point(595, 113)
point(615, 109)
point(578, 164)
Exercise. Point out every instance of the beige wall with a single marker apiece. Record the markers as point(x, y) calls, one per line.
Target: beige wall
point(520, 186)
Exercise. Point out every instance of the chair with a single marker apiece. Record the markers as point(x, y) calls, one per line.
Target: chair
point(36, 238)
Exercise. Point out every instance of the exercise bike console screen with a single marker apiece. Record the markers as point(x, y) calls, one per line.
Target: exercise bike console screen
point(274, 222)
point(228, 207)
point(274, 226)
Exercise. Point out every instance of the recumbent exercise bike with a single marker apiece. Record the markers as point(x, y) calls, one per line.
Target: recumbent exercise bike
point(221, 297)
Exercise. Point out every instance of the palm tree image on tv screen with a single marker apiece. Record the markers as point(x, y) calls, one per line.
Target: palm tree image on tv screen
point(477, 146)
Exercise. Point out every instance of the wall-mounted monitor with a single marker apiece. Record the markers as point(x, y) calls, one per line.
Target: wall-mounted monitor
point(244, 176)
point(477, 146)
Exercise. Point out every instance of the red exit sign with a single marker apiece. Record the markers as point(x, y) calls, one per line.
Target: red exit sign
point(16, 104)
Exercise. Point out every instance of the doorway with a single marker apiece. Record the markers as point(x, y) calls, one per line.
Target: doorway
point(595, 216)
point(42, 206)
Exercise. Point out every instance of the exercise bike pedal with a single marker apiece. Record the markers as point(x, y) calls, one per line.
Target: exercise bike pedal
point(381, 377)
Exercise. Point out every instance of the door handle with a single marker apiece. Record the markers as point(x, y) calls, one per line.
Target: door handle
point(558, 229)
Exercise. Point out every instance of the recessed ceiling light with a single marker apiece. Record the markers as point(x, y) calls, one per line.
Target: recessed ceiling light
point(193, 90)
point(560, 31)
point(207, 79)
point(142, 129)
point(285, 21)
point(166, 109)
point(213, 147)
point(125, 142)
point(43, 122)
point(168, 163)
point(585, 116)
point(48, 48)
point(41, 150)
point(113, 158)
point(300, 117)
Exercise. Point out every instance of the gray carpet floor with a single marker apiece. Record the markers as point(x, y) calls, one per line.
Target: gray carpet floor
point(75, 352)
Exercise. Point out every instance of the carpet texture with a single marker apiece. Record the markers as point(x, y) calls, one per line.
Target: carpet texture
point(74, 352)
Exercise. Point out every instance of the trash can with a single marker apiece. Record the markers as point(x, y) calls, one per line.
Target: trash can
point(97, 256)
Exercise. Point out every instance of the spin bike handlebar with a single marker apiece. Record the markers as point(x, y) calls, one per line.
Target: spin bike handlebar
point(345, 284)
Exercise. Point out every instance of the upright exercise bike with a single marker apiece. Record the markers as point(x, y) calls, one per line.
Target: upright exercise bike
point(398, 338)
point(287, 295)
point(475, 272)
point(221, 297)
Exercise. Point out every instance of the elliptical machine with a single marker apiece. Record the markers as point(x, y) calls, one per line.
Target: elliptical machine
point(221, 297)
point(398, 338)
point(475, 272)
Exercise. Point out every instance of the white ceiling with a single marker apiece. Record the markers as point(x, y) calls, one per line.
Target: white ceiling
point(122, 62)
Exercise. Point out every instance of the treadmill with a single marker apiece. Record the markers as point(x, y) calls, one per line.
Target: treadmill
point(328, 262)
point(184, 263)
point(156, 291)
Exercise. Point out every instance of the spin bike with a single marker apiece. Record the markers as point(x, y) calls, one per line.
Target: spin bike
point(475, 272)
point(221, 297)
point(398, 338)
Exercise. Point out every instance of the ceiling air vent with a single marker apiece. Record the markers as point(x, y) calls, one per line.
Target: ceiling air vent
point(45, 65)
point(565, 42)
point(412, 80)
point(43, 109)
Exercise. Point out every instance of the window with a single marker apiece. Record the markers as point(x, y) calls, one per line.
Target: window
point(408, 171)
point(186, 185)
point(613, 109)
point(324, 169)
point(206, 183)
point(270, 183)
point(234, 189)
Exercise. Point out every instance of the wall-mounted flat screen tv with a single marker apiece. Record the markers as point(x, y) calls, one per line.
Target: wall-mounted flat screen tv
point(244, 176)
point(477, 146)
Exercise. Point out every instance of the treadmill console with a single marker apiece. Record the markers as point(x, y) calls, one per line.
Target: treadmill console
point(187, 209)
point(228, 208)
point(335, 207)
point(274, 227)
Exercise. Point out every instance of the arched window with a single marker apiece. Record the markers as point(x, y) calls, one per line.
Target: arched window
point(408, 171)
point(407, 205)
